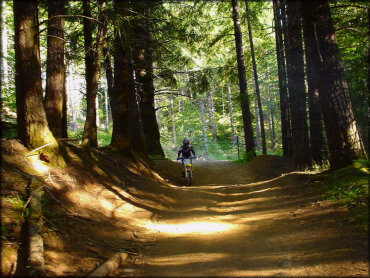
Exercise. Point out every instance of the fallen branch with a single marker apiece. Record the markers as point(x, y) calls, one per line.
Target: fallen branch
point(36, 251)
point(109, 266)
point(39, 148)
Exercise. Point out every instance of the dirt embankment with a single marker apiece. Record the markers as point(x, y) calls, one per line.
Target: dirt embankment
point(237, 220)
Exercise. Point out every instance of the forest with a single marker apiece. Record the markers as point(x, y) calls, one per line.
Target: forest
point(261, 89)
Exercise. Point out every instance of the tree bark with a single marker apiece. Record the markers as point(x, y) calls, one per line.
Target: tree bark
point(204, 128)
point(4, 50)
point(211, 112)
point(284, 98)
point(110, 265)
point(272, 131)
point(123, 87)
point(143, 59)
point(231, 113)
point(344, 142)
point(173, 124)
point(244, 101)
point(257, 123)
point(32, 124)
point(65, 106)
point(256, 84)
point(92, 67)
point(55, 71)
point(137, 136)
point(296, 86)
point(315, 116)
point(106, 104)
point(107, 66)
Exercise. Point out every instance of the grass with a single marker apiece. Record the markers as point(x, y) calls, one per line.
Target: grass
point(349, 186)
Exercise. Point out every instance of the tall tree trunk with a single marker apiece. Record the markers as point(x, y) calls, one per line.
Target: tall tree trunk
point(316, 126)
point(231, 113)
point(284, 101)
point(107, 67)
point(173, 124)
point(244, 101)
point(92, 67)
point(143, 59)
point(4, 50)
point(65, 107)
point(106, 103)
point(296, 86)
point(211, 113)
point(342, 133)
point(137, 136)
point(257, 122)
point(204, 128)
point(32, 124)
point(256, 84)
point(55, 70)
point(223, 102)
point(272, 130)
point(120, 101)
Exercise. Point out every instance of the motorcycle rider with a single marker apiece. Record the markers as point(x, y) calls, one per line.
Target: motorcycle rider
point(185, 150)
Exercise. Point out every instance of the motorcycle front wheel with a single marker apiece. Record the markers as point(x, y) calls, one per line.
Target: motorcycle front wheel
point(188, 177)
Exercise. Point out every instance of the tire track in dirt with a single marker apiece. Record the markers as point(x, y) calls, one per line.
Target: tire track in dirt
point(236, 222)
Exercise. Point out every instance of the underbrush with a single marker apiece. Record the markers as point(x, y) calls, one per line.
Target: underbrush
point(349, 186)
point(249, 157)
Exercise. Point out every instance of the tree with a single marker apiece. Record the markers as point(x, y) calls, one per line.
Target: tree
point(55, 94)
point(32, 124)
point(256, 84)
point(296, 86)
point(143, 59)
point(244, 101)
point(284, 98)
point(344, 142)
point(231, 113)
point(317, 142)
point(211, 114)
point(204, 129)
point(123, 85)
point(92, 67)
point(136, 129)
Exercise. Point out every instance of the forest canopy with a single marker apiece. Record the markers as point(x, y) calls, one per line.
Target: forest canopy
point(143, 75)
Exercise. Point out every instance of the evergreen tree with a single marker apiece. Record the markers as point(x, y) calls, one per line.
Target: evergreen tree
point(55, 93)
point(344, 142)
point(244, 101)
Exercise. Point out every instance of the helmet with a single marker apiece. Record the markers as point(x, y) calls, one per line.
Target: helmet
point(185, 142)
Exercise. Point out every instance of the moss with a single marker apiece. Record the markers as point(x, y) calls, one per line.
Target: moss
point(15, 202)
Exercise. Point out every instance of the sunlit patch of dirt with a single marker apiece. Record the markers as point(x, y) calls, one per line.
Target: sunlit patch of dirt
point(258, 219)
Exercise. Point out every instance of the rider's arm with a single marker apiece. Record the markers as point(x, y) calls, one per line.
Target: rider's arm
point(179, 152)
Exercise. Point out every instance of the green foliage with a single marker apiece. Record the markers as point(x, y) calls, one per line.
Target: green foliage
point(351, 21)
point(4, 232)
point(104, 138)
point(246, 157)
point(350, 186)
point(9, 130)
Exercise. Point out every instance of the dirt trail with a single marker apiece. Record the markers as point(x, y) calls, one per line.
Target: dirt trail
point(234, 223)
point(258, 219)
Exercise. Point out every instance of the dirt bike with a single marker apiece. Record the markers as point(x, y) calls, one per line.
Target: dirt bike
point(188, 168)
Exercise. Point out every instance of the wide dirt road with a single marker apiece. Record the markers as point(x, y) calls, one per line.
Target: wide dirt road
point(236, 222)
